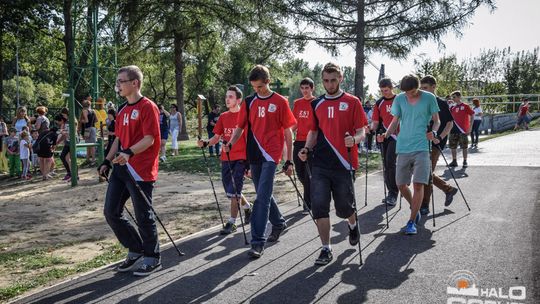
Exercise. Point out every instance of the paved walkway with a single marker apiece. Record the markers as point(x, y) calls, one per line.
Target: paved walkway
point(498, 242)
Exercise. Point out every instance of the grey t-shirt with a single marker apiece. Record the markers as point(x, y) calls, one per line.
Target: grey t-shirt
point(45, 123)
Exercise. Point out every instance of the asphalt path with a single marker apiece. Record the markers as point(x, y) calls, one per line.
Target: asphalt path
point(498, 242)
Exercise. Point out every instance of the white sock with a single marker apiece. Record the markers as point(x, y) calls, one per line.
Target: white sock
point(352, 226)
point(329, 247)
point(246, 206)
point(232, 220)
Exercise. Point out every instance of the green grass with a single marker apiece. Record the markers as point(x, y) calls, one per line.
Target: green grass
point(190, 160)
point(37, 259)
point(30, 260)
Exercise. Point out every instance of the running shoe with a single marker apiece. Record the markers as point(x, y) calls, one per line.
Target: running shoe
point(325, 257)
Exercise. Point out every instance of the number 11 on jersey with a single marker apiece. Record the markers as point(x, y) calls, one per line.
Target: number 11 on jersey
point(330, 112)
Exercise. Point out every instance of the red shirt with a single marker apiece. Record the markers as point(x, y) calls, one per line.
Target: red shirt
point(268, 117)
point(334, 117)
point(382, 111)
point(133, 122)
point(224, 127)
point(462, 117)
point(302, 111)
point(523, 109)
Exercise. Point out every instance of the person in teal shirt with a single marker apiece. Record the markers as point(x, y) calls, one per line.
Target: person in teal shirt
point(412, 111)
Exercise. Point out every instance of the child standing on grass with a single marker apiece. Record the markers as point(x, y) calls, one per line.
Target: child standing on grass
point(12, 143)
point(24, 154)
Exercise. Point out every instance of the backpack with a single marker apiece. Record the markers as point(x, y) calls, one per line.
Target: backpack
point(37, 144)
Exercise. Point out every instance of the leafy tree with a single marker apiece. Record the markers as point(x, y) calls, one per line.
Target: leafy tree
point(389, 27)
point(27, 91)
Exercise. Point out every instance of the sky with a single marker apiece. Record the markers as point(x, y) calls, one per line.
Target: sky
point(514, 23)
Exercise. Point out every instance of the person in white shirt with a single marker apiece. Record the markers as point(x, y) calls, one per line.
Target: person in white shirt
point(24, 154)
point(475, 133)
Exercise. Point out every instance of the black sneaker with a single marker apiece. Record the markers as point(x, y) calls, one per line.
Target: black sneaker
point(424, 210)
point(128, 264)
point(465, 165)
point(325, 257)
point(276, 232)
point(228, 229)
point(453, 163)
point(450, 196)
point(354, 236)
point(390, 200)
point(146, 269)
point(247, 216)
point(256, 251)
point(306, 210)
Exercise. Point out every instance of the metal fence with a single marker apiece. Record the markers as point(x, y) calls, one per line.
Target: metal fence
point(505, 104)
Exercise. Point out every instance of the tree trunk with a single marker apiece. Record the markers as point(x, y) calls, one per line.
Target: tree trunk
point(179, 65)
point(360, 55)
point(2, 73)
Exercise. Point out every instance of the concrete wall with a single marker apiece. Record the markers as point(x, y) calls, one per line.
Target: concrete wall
point(500, 122)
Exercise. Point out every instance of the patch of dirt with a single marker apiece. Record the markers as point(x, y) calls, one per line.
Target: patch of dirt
point(70, 222)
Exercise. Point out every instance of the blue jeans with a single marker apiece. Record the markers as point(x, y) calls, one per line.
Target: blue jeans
point(265, 207)
point(217, 146)
point(120, 189)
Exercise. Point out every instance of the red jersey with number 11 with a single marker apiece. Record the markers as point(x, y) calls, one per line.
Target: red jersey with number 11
point(133, 122)
point(268, 118)
point(334, 117)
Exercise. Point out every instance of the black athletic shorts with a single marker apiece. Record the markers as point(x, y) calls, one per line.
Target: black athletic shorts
point(327, 184)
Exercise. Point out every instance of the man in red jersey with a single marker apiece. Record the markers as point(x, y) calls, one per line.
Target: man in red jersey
point(224, 128)
point(338, 124)
point(302, 112)
point(382, 117)
point(268, 120)
point(135, 151)
point(463, 116)
point(523, 115)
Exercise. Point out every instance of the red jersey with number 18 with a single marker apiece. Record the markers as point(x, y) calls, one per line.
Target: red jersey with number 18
point(133, 122)
point(334, 117)
point(268, 118)
point(302, 111)
point(225, 126)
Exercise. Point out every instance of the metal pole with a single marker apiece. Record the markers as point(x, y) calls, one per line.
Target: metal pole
point(72, 137)
point(17, 64)
point(95, 75)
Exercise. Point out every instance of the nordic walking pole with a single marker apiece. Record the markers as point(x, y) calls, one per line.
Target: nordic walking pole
point(354, 202)
point(141, 192)
point(238, 196)
point(199, 131)
point(381, 147)
point(212, 184)
point(453, 177)
point(367, 161)
point(297, 197)
point(431, 179)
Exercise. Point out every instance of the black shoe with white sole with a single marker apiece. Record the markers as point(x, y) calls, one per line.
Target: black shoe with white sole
point(325, 257)
point(146, 270)
point(128, 264)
